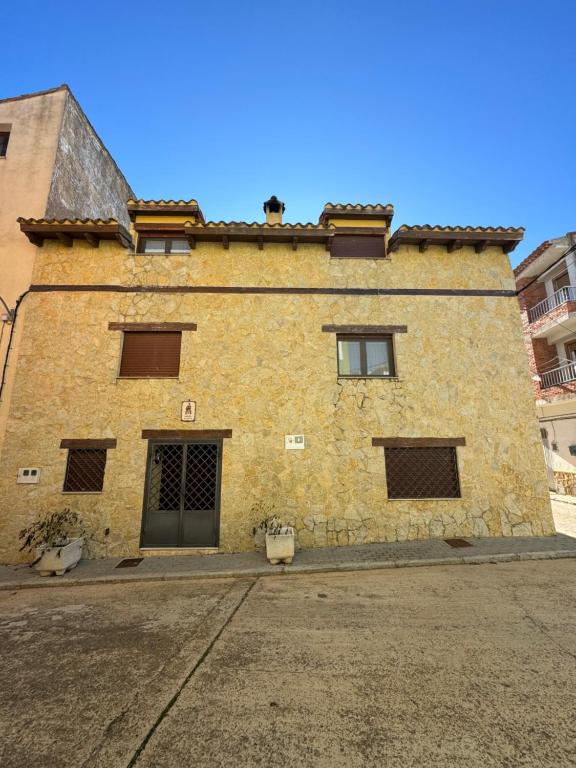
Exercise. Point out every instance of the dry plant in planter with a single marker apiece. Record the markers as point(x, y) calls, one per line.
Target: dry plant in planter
point(55, 540)
point(278, 536)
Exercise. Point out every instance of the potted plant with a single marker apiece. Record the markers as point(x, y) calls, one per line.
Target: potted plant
point(279, 539)
point(263, 511)
point(56, 541)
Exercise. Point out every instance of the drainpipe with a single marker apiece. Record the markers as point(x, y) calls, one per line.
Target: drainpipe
point(9, 317)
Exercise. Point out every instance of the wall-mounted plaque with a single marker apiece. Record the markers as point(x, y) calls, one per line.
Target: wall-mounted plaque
point(189, 410)
point(294, 442)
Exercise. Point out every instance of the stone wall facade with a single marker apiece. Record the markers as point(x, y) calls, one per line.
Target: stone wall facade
point(56, 167)
point(261, 366)
point(86, 182)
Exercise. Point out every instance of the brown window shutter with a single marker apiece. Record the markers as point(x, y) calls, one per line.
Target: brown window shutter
point(358, 246)
point(85, 470)
point(151, 355)
point(422, 473)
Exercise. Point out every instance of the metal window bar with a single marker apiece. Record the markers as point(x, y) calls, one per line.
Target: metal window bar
point(85, 470)
point(422, 473)
point(558, 376)
point(568, 293)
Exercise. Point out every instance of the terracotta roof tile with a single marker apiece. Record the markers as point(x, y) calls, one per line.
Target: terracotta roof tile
point(92, 230)
point(532, 257)
point(357, 211)
point(454, 238)
point(260, 225)
point(358, 207)
point(133, 201)
point(22, 220)
point(439, 228)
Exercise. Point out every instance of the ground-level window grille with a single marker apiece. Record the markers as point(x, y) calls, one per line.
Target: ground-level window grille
point(422, 473)
point(85, 470)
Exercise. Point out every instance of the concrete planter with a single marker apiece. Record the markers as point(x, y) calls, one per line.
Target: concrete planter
point(58, 560)
point(280, 546)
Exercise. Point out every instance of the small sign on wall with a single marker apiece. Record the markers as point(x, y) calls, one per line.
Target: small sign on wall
point(294, 442)
point(189, 410)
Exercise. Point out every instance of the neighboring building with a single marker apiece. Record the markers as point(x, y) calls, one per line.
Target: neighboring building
point(173, 376)
point(546, 281)
point(52, 164)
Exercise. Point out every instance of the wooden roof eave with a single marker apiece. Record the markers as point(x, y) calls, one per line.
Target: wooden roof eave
point(455, 240)
point(67, 232)
point(174, 209)
point(259, 235)
point(328, 214)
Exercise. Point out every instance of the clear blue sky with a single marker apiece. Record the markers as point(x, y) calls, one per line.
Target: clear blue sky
point(456, 112)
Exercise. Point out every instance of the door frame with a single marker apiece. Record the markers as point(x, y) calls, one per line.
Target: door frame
point(152, 444)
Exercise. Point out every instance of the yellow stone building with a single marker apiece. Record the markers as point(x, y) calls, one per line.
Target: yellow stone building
point(175, 375)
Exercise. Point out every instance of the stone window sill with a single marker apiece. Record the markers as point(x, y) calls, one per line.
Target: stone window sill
point(146, 378)
point(369, 378)
point(431, 498)
point(82, 493)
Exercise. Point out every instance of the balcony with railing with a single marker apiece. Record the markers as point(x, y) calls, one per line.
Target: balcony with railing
point(558, 376)
point(562, 296)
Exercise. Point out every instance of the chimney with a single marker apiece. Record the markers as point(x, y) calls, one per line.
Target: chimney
point(274, 209)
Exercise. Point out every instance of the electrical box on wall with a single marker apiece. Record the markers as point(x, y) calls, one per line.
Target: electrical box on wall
point(294, 442)
point(28, 475)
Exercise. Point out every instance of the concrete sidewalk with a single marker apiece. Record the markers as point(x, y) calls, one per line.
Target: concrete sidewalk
point(352, 558)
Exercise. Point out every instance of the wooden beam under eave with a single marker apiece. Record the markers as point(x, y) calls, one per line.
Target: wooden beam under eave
point(92, 239)
point(454, 245)
point(65, 239)
point(225, 242)
point(294, 243)
point(423, 245)
point(191, 242)
point(481, 246)
point(35, 239)
point(508, 247)
point(329, 244)
point(260, 241)
point(124, 240)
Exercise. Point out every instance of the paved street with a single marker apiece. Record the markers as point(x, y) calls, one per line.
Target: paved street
point(446, 666)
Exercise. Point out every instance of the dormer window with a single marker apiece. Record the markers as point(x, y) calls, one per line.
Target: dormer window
point(163, 245)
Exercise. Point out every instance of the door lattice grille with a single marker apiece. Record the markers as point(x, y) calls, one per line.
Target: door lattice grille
point(422, 473)
point(166, 478)
point(201, 469)
point(182, 494)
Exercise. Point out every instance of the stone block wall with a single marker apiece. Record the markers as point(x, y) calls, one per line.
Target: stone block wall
point(86, 182)
point(261, 366)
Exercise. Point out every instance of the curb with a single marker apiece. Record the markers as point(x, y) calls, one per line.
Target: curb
point(284, 570)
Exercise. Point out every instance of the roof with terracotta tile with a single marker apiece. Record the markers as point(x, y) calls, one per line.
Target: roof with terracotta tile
point(263, 225)
point(65, 230)
point(22, 220)
point(454, 238)
point(357, 210)
point(532, 257)
point(163, 208)
point(140, 201)
point(439, 228)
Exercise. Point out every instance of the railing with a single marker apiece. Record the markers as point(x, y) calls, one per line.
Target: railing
point(558, 376)
point(568, 293)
